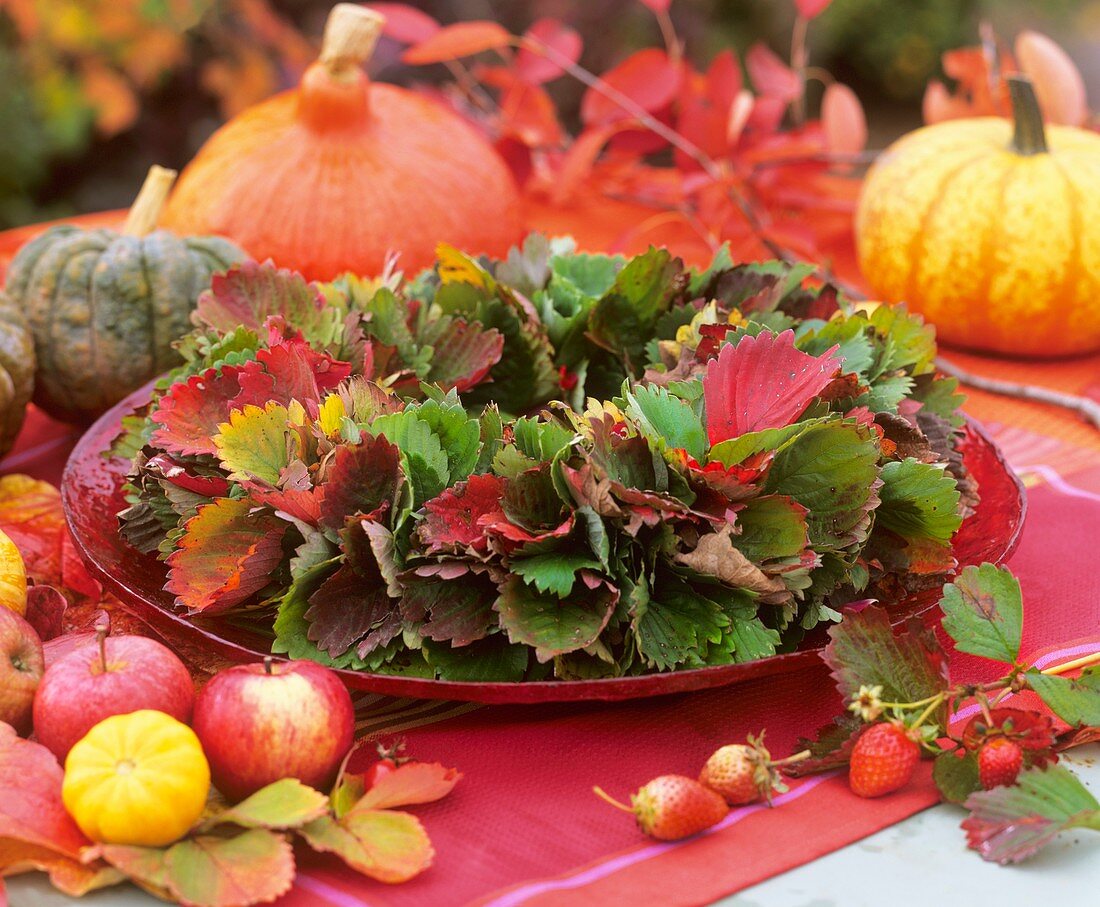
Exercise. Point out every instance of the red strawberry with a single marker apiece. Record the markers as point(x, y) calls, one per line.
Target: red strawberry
point(883, 760)
point(741, 773)
point(999, 762)
point(672, 807)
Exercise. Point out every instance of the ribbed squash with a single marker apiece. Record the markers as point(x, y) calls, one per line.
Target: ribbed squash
point(104, 307)
point(991, 230)
point(16, 371)
point(333, 175)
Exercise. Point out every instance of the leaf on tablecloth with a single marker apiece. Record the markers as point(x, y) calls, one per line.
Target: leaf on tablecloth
point(384, 844)
point(864, 650)
point(983, 612)
point(225, 555)
point(1075, 700)
point(254, 867)
point(956, 775)
point(35, 829)
point(282, 805)
point(831, 749)
point(45, 609)
point(30, 514)
point(1010, 824)
point(409, 784)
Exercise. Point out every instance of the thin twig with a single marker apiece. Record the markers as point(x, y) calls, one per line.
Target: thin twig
point(798, 64)
point(1087, 409)
point(824, 157)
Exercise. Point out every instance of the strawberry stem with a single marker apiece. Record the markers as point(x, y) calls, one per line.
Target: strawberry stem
point(607, 798)
point(797, 757)
point(934, 704)
point(1083, 662)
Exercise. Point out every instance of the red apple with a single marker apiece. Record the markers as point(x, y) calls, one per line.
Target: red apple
point(115, 675)
point(21, 668)
point(261, 722)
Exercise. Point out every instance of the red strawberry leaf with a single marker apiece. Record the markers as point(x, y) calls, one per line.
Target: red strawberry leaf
point(864, 650)
point(463, 39)
point(410, 784)
point(448, 611)
point(532, 65)
point(289, 370)
point(648, 78)
point(1010, 824)
point(453, 520)
point(463, 355)
point(345, 609)
point(762, 382)
point(361, 478)
point(226, 554)
point(188, 415)
point(384, 844)
point(249, 294)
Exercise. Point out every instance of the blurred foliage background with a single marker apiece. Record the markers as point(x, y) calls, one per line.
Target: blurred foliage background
point(94, 91)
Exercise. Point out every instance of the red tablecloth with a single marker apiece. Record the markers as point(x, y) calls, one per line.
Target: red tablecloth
point(524, 828)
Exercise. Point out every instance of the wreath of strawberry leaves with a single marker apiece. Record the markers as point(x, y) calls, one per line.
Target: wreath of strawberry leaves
point(558, 464)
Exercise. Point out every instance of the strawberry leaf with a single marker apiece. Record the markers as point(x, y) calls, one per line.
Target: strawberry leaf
point(772, 527)
point(1010, 824)
point(253, 867)
point(384, 844)
point(983, 612)
point(463, 354)
point(253, 444)
point(452, 520)
point(864, 650)
point(1075, 700)
point(247, 295)
point(290, 370)
point(284, 804)
point(667, 420)
point(762, 382)
point(361, 478)
point(225, 555)
point(188, 415)
point(410, 784)
point(956, 775)
point(672, 623)
point(347, 609)
point(831, 469)
point(554, 572)
point(918, 501)
point(831, 749)
point(449, 611)
point(551, 625)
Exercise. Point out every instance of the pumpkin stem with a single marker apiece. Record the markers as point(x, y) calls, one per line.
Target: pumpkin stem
point(351, 32)
point(147, 207)
point(1030, 137)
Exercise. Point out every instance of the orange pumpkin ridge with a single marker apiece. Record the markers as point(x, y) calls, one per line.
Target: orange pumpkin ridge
point(991, 230)
point(333, 175)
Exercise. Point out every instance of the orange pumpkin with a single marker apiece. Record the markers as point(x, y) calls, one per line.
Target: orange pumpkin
point(991, 230)
point(333, 175)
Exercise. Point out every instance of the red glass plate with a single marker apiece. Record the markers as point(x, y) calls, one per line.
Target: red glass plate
point(91, 493)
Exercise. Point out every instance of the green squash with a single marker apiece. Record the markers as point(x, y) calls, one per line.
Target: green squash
point(16, 371)
point(105, 306)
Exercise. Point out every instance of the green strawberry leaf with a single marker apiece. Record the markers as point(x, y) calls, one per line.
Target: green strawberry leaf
point(493, 660)
point(667, 420)
point(1075, 700)
point(864, 650)
point(772, 527)
point(830, 469)
point(550, 624)
point(983, 611)
point(1010, 824)
point(918, 501)
point(912, 344)
point(283, 804)
point(554, 572)
point(956, 775)
point(672, 623)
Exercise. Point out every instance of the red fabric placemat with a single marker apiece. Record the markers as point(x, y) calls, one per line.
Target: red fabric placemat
point(523, 826)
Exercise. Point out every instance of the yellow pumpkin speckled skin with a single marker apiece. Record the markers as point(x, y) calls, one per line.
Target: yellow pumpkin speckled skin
point(139, 779)
point(993, 239)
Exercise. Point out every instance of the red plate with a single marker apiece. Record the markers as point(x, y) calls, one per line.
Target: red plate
point(91, 493)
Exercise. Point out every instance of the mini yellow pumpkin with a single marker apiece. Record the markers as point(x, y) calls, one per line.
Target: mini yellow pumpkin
point(991, 230)
point(138, 779)
point(13, 577)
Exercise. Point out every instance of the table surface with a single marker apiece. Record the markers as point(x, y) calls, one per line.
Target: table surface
point(910, 860)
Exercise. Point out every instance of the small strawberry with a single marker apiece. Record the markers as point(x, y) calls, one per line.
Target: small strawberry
point(999, 762)
point(672, 807)
point(742, 773)
point(883, 760)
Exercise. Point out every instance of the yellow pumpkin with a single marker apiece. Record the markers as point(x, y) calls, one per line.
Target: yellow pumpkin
point(13, 577)
point(991, 230)
point(138, 779)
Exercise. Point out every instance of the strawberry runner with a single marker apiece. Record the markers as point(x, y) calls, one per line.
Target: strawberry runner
point(524, 828)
